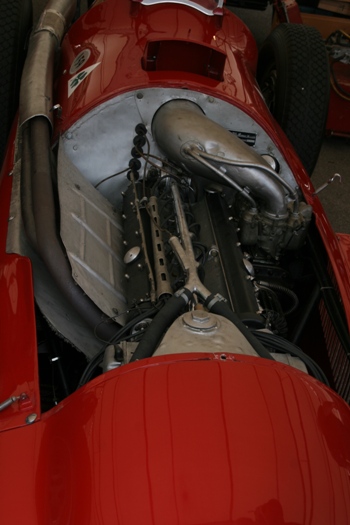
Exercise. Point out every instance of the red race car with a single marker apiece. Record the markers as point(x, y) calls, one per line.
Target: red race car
point(175, 307)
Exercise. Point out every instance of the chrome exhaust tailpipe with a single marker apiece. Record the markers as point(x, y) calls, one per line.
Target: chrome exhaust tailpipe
point(203, 147)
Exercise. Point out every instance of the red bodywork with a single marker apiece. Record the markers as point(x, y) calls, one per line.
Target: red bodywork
point(200, 440)
point(191, 439)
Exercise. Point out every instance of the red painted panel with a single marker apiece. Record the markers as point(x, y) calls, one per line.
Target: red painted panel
point(18, 356)
point(18, 349)
point(116, 35)
point(191, 440)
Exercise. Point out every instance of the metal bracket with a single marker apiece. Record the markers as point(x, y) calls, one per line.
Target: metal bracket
point(335, 177)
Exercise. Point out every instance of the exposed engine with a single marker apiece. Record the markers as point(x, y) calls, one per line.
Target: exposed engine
point(193, 247)
point(210, 220)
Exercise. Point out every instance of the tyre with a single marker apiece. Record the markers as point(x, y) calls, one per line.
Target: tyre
point(15, 26)
point(293, 74)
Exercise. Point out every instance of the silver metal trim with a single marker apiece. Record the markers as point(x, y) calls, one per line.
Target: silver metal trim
point(208, 7)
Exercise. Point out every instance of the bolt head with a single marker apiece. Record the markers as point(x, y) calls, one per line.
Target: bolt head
point(31, 418)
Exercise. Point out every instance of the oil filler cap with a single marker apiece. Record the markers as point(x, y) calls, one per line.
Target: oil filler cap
point(200, 321)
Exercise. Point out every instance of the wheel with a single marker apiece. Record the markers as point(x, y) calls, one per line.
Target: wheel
point(293, 74)
point(15, 26)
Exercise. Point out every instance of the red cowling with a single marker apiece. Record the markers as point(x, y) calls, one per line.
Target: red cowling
point(187, 440)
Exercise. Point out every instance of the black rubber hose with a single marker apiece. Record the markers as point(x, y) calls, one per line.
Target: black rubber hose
point(48, 244)
point(221, 308)
point(282, 289)
point(97, 360)
point(160, 324)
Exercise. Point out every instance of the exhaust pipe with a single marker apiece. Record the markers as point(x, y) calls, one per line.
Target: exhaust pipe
point(202, 146)
point(38, 208)
point(36, 98)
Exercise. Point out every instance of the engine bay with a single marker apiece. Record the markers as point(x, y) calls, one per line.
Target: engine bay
point(200, 230)
point(191, 237)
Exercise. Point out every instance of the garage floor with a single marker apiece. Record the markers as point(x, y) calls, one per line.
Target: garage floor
point(335, 153)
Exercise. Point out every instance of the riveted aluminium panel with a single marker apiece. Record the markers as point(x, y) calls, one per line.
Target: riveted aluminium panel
point(92, 233)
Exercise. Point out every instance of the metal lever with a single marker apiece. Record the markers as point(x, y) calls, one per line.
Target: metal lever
point(8, 402)
point(326, 184)
point(184, 250)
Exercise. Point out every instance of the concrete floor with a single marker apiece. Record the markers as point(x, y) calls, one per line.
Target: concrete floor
point(335, 152)
point(335, 158)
